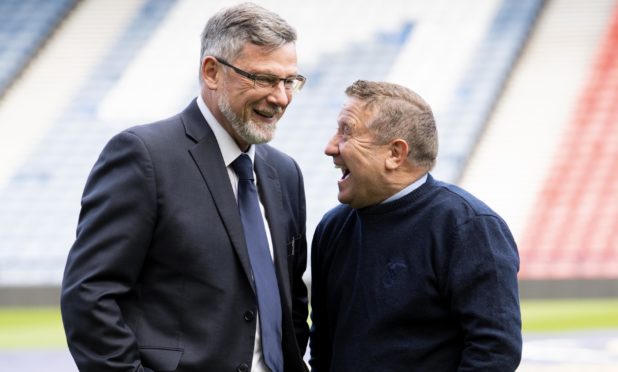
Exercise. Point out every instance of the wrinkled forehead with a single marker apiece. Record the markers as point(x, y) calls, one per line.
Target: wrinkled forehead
point(356, 110)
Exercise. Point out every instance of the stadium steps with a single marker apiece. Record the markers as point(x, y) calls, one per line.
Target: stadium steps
point(444, 36)
point(473, 100)
point(572, 230)
point(25, 26)
point(41, 200)
point(51, 80)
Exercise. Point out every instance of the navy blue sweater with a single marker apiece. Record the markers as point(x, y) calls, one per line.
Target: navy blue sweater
point(424, 283)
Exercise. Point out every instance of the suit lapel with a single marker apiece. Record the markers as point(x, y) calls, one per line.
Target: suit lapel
point(208, 158)
point(270, 193)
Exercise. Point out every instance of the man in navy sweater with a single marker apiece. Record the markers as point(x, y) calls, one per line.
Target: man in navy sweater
point(409, 273)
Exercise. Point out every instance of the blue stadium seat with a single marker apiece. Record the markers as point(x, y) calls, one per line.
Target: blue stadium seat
point(24, 26)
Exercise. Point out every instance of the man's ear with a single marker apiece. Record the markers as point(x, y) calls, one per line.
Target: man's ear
point(209, 73)
point(398, 150)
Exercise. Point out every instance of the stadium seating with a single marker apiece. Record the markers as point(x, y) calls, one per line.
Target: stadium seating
point(460, 56)
point(24, 27)
point(41, 200)
point(512, 159)
point(572, 230)
point(462, 123)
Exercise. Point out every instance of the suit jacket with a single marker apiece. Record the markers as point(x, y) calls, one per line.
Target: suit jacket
point(159, 275)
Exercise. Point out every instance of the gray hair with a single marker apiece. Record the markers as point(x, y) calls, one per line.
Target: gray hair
point(227, 32)
point(398, 112)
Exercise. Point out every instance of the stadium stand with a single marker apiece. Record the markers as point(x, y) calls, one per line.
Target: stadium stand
point(51, 80)
point(468, 59)
point(462, 124)
point(25, 25)
point(510, 162)
point(40, 200)
point(444, 36)
point(572, 230)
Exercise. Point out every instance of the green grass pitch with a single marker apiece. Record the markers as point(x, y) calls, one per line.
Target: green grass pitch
point(42, 327)
point(31, 328)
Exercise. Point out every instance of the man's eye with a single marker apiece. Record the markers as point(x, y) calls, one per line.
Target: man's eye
point(266, 81)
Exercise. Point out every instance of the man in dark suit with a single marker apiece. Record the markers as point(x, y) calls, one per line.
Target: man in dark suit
point(161, 276)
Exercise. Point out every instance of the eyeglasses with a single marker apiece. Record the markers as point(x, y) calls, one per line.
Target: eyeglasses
point(292, 83)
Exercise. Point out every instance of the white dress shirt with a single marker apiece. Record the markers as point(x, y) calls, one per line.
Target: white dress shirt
point(230, 151)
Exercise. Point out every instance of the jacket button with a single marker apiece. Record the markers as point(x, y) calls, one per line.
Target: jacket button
point(242, 368)
point(249, 315)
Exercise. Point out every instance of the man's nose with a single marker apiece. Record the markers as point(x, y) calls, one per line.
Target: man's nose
point(280, 95)
point(332, 147)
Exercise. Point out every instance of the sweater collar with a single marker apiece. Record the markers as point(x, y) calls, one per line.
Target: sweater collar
point(412, 196)
point(408, 189)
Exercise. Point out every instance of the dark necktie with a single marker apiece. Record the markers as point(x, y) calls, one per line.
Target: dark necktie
point(264, 277)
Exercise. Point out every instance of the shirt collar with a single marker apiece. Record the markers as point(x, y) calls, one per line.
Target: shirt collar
point(229, 148)
point(408, 189)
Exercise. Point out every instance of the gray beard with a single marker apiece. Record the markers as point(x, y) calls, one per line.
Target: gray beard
point(249, 131)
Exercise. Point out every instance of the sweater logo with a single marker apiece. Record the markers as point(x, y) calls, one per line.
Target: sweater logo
point(393, 272)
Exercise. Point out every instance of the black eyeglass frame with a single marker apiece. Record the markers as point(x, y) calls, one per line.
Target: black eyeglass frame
point(293, 83)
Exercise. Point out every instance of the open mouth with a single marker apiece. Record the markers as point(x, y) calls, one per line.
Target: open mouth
point(345, 172)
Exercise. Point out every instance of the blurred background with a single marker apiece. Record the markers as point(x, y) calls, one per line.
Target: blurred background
point(525, 94)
